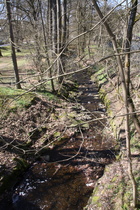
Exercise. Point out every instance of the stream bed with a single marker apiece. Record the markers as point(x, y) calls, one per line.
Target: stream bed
point(66, 176)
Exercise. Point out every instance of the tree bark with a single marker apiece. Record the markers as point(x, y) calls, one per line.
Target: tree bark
point(126, 96)
point(124, 79)
point(45, 41)
point(54, 26)
point(127, 49)
point(64, 22)
point(14, 59)
point(0, 53)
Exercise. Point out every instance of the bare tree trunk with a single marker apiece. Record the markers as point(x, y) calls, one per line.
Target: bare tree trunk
point(45, 42)
point(59, 25)
point(130, 102)
point(79, 27)
point(60, 79)
point(125, 86)
point(114, 42)
point(14, 59)
point(50, 24)
point(61, 30)
point(127, 48)
point(17, 28)
point(54, 26)
point(124, 79)
point(0, 53)
point(64, 22)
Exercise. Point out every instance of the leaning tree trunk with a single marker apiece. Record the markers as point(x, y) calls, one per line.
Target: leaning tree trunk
point(14, 59)
point(126, 96)
point(127, 49)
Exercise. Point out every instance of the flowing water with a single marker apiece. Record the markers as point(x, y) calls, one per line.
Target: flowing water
point(65, 178)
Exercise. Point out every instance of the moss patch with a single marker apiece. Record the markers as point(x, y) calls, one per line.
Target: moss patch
point(11, 99)
point(114, 190)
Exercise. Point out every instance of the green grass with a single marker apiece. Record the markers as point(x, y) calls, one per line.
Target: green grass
point(92, 49)
point(100, 75)
point(48, 95)
point(6, 60)
point(6, 51)
point(8, 65)
point(21, 62)
point(11, 99)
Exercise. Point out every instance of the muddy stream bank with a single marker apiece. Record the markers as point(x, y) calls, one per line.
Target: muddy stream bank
point(65, 178)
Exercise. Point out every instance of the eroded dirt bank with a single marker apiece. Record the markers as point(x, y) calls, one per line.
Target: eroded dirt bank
point(113, 191)
point(63, 176)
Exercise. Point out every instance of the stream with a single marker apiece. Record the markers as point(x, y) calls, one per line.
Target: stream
point(65, 179)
